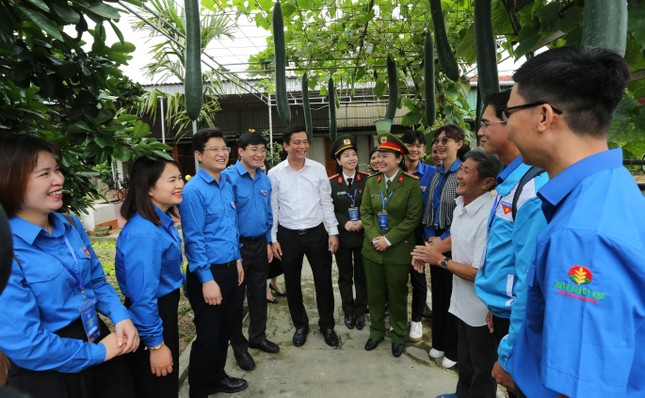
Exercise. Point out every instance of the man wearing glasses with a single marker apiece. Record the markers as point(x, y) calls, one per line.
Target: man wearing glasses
point(209, 224)
point(513, 227)
point(584, 332)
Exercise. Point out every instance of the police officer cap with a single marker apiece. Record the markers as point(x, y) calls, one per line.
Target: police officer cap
point(343, 142)
point(391, 143)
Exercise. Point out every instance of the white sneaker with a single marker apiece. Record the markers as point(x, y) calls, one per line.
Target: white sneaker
point(416, 332)
point(447, 363)
point(436, 353)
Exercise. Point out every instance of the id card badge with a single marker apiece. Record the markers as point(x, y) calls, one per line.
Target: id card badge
point(90, 320)
point(353, 213)
point(382, 220)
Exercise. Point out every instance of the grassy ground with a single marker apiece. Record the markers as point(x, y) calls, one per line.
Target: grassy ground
point(106, 250)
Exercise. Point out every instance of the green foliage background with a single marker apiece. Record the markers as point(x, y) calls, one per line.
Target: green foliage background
point(65, 85)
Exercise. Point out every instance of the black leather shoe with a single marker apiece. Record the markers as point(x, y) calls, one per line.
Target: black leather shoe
point(371, 344)
point(349, 321)
point(427, 312)
point(360, 322)
point(266, 346)
point(245, 361)
point(300, 337)
point(231, 384)
point(331, 338)
point(397, 349)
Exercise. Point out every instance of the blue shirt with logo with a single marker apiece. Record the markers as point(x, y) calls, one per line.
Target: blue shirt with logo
point(584, 334)
point(43, 296)
point(425, 173)
point(209, 223)
point(148, 267)
point(501, 280)
point(252, 199)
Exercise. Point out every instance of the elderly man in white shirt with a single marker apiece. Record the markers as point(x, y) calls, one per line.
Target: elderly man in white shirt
point(477, 347)
point(301, 202)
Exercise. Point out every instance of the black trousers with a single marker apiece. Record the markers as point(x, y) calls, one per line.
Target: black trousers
point(501, 326)
point(256, 266)
point(213, 324)
point(313, 243)
point(477, 352)
point(111, 379)
point(351, 275)
point(146, 384)
point(444, 324)
point(418, 282)
point(419, 294)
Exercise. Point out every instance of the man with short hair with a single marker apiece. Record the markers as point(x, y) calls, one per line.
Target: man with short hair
point(415, 141)
point(301, 201)
point(514, 224)
point(477, 347)
point(211, 242)
point(584, 332)
point(252, 190)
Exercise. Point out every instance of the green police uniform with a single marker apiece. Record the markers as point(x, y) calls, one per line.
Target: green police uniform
point(387, 272)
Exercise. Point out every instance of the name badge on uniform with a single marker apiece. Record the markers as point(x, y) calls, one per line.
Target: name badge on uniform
point(90, 320)
point(353, 214)
point(382, 220)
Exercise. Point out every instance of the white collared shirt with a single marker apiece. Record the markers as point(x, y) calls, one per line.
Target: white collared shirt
point(468, 234)
point(301, 199)
point(346, 177)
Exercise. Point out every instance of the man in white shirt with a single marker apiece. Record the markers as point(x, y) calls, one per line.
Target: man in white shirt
point(301, 201)
point(477, 347)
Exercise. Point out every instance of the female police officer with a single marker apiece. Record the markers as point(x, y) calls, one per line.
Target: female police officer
point(390, 212)
point(347, 193)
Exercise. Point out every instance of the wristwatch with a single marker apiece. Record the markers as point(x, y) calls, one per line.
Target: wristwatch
point(444, 262)
point(155, 347)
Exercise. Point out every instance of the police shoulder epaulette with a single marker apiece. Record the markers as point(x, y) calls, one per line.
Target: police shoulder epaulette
point(411, 175)
point(334, 176)
point(364, 173)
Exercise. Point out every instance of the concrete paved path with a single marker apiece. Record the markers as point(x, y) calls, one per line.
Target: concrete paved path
point(316, 370)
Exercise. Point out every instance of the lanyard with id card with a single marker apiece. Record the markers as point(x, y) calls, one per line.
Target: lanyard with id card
point(353, 210)
point(88, 308)
point(382, 215)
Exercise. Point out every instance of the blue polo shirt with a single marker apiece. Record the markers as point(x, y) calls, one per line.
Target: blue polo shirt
point(42, 296)
point(148, 267)
point(252, 199)
point(584, 334)
point(501, 280)
point(209, 223)
point(425, 173)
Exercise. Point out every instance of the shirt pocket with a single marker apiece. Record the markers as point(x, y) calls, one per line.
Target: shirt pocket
point(50, 284)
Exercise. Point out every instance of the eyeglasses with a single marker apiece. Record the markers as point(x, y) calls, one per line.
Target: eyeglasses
point(507, 112)
point(442, 141)
point(216, 149)
point(485, 123)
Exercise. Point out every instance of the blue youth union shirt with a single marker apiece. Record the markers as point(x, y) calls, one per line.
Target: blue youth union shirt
point(148, 267)
point(42, 297)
